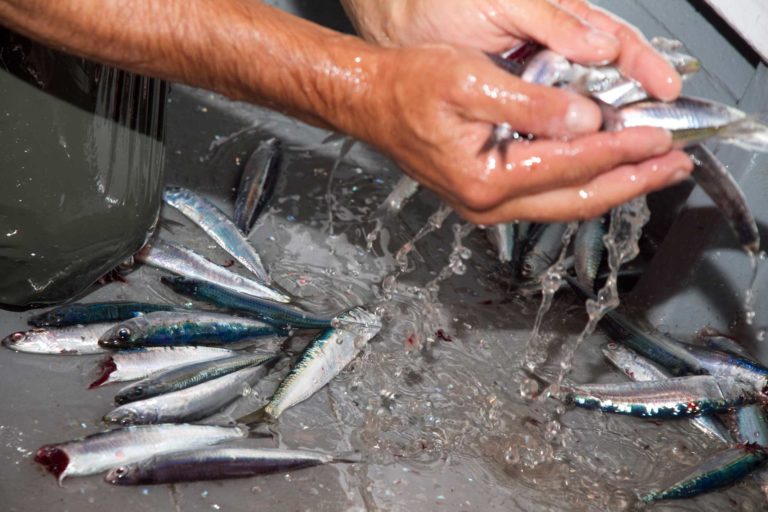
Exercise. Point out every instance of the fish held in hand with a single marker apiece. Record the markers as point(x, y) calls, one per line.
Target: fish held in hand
point(102, 451)
point(257, 183)
point(185, 328)
point(220, 463)
point(323, 359)
point(217, 226)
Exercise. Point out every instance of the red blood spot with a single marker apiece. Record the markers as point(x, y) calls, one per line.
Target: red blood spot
point(53, 458)
point(411, 341)
point(107, 367)
point(442, 336)
point(228, 263)
point(486, 302)
point(523, 52)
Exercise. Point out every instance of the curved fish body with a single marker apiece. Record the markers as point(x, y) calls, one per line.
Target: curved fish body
point(544, 251)
point(102, 451)
point(97, 312)
point(323, 359)
point(186, 376)
point(217, 464)
point(163, 329)
point(130, 365)
point(278, 315)
point(257, 183)
point(217, 226)
point(691, 120)
point(190, 404)
point(639, 369)
point(74, 340)
point(183, 262)
point(677, 397)
point(588, 249)
point(721, 470)
point(717, 182)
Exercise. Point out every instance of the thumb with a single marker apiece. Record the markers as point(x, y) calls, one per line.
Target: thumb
point(560, 30)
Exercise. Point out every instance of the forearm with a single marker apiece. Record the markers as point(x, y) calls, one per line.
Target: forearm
point(241, 48)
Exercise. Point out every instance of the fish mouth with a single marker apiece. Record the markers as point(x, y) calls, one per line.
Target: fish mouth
point(53, 459)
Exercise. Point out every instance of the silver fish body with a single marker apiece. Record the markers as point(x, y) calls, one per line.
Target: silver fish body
point(187, 263)
point(404, 189)
point(216, 225)
point(544, 251)
point(257, 183)
point(502, 237)
point(72, 340)
point(323, 359)
point(130, 365)
point(640, 369)
point(190, 404)
point(724, 364)
point(677, 397)
point(218, 463)
point(102, 451)
point(588, 249)
point(717, 182)
point(187, 376)
point(752, 425)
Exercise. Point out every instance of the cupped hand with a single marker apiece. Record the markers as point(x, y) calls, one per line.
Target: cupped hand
point(435, 106)
point(573, 28)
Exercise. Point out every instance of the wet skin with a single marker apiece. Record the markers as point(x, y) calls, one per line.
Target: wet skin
point(428, 96)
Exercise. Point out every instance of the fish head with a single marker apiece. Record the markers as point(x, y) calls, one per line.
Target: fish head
point(364, 323)
point(14, 339)
point(123, 475)
point(131, 394)
point(120, 336)
point(129, 416)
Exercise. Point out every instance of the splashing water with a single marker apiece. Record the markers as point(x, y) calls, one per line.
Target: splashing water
point(434, 223)
point(455, 265)
point(627, 223)
point(750, 311)
point(330, 199)
point(404, 190)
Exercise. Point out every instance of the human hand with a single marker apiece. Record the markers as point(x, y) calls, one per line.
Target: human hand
point(432, 107)
point(573, 28)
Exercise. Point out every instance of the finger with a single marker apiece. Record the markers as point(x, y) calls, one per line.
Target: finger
point(556, 28)
point(604, 192)
point(636, 57)
point(489, 94)
point(530, 168)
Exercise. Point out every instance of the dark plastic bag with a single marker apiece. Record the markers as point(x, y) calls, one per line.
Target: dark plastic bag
point(81, 170)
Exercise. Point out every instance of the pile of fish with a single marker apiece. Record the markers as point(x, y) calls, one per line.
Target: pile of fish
point(189, 364)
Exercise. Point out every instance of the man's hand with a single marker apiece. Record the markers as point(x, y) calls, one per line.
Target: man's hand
point(573, 28)
point(436, 105)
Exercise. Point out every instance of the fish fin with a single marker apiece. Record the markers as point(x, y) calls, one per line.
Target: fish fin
point(352, 457)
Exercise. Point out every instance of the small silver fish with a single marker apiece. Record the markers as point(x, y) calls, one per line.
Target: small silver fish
point(502, 237)
point(323, 359)
point(588, 249)
point(404, 189)
point(190, 404)
point(73, 340)
point(257, 183)
point(217, 226)
point(639, 369)
point(102, 451)
point(220, 463)
point(544, 251)
point(187, 263)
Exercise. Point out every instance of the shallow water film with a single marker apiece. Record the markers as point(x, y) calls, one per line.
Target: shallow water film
point(433, 402)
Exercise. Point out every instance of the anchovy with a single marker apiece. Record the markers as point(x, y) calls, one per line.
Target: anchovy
point(216, 225)
point(544, 251)
point(588, 249)
point(136, 364)
point(190, 404)
point(502, 237)
point(81, 314)
point(219, 463)
point(723, 344)
point(691, 120)
point(164, 329)
point(670, 49)
point(186, 376)
point(676, 397)
point(183, 262)
point(275, 314)
point(724, 364)
point(73, 340)
point(324, 358)
point(723, 469)
point(102, 451)
point(404, 189)
point(717, 182)
point(639, 369)
point(257, 183)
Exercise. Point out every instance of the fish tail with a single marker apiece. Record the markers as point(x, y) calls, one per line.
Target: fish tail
point(351, 457)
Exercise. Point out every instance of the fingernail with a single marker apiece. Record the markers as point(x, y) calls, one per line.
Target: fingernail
point(582, 116)
point(602, 41)
point(677, 176)
point(665, 145)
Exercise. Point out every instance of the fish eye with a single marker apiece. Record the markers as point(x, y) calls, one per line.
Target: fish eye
point(121, 471)
point(17, 336)
point(123, 333)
